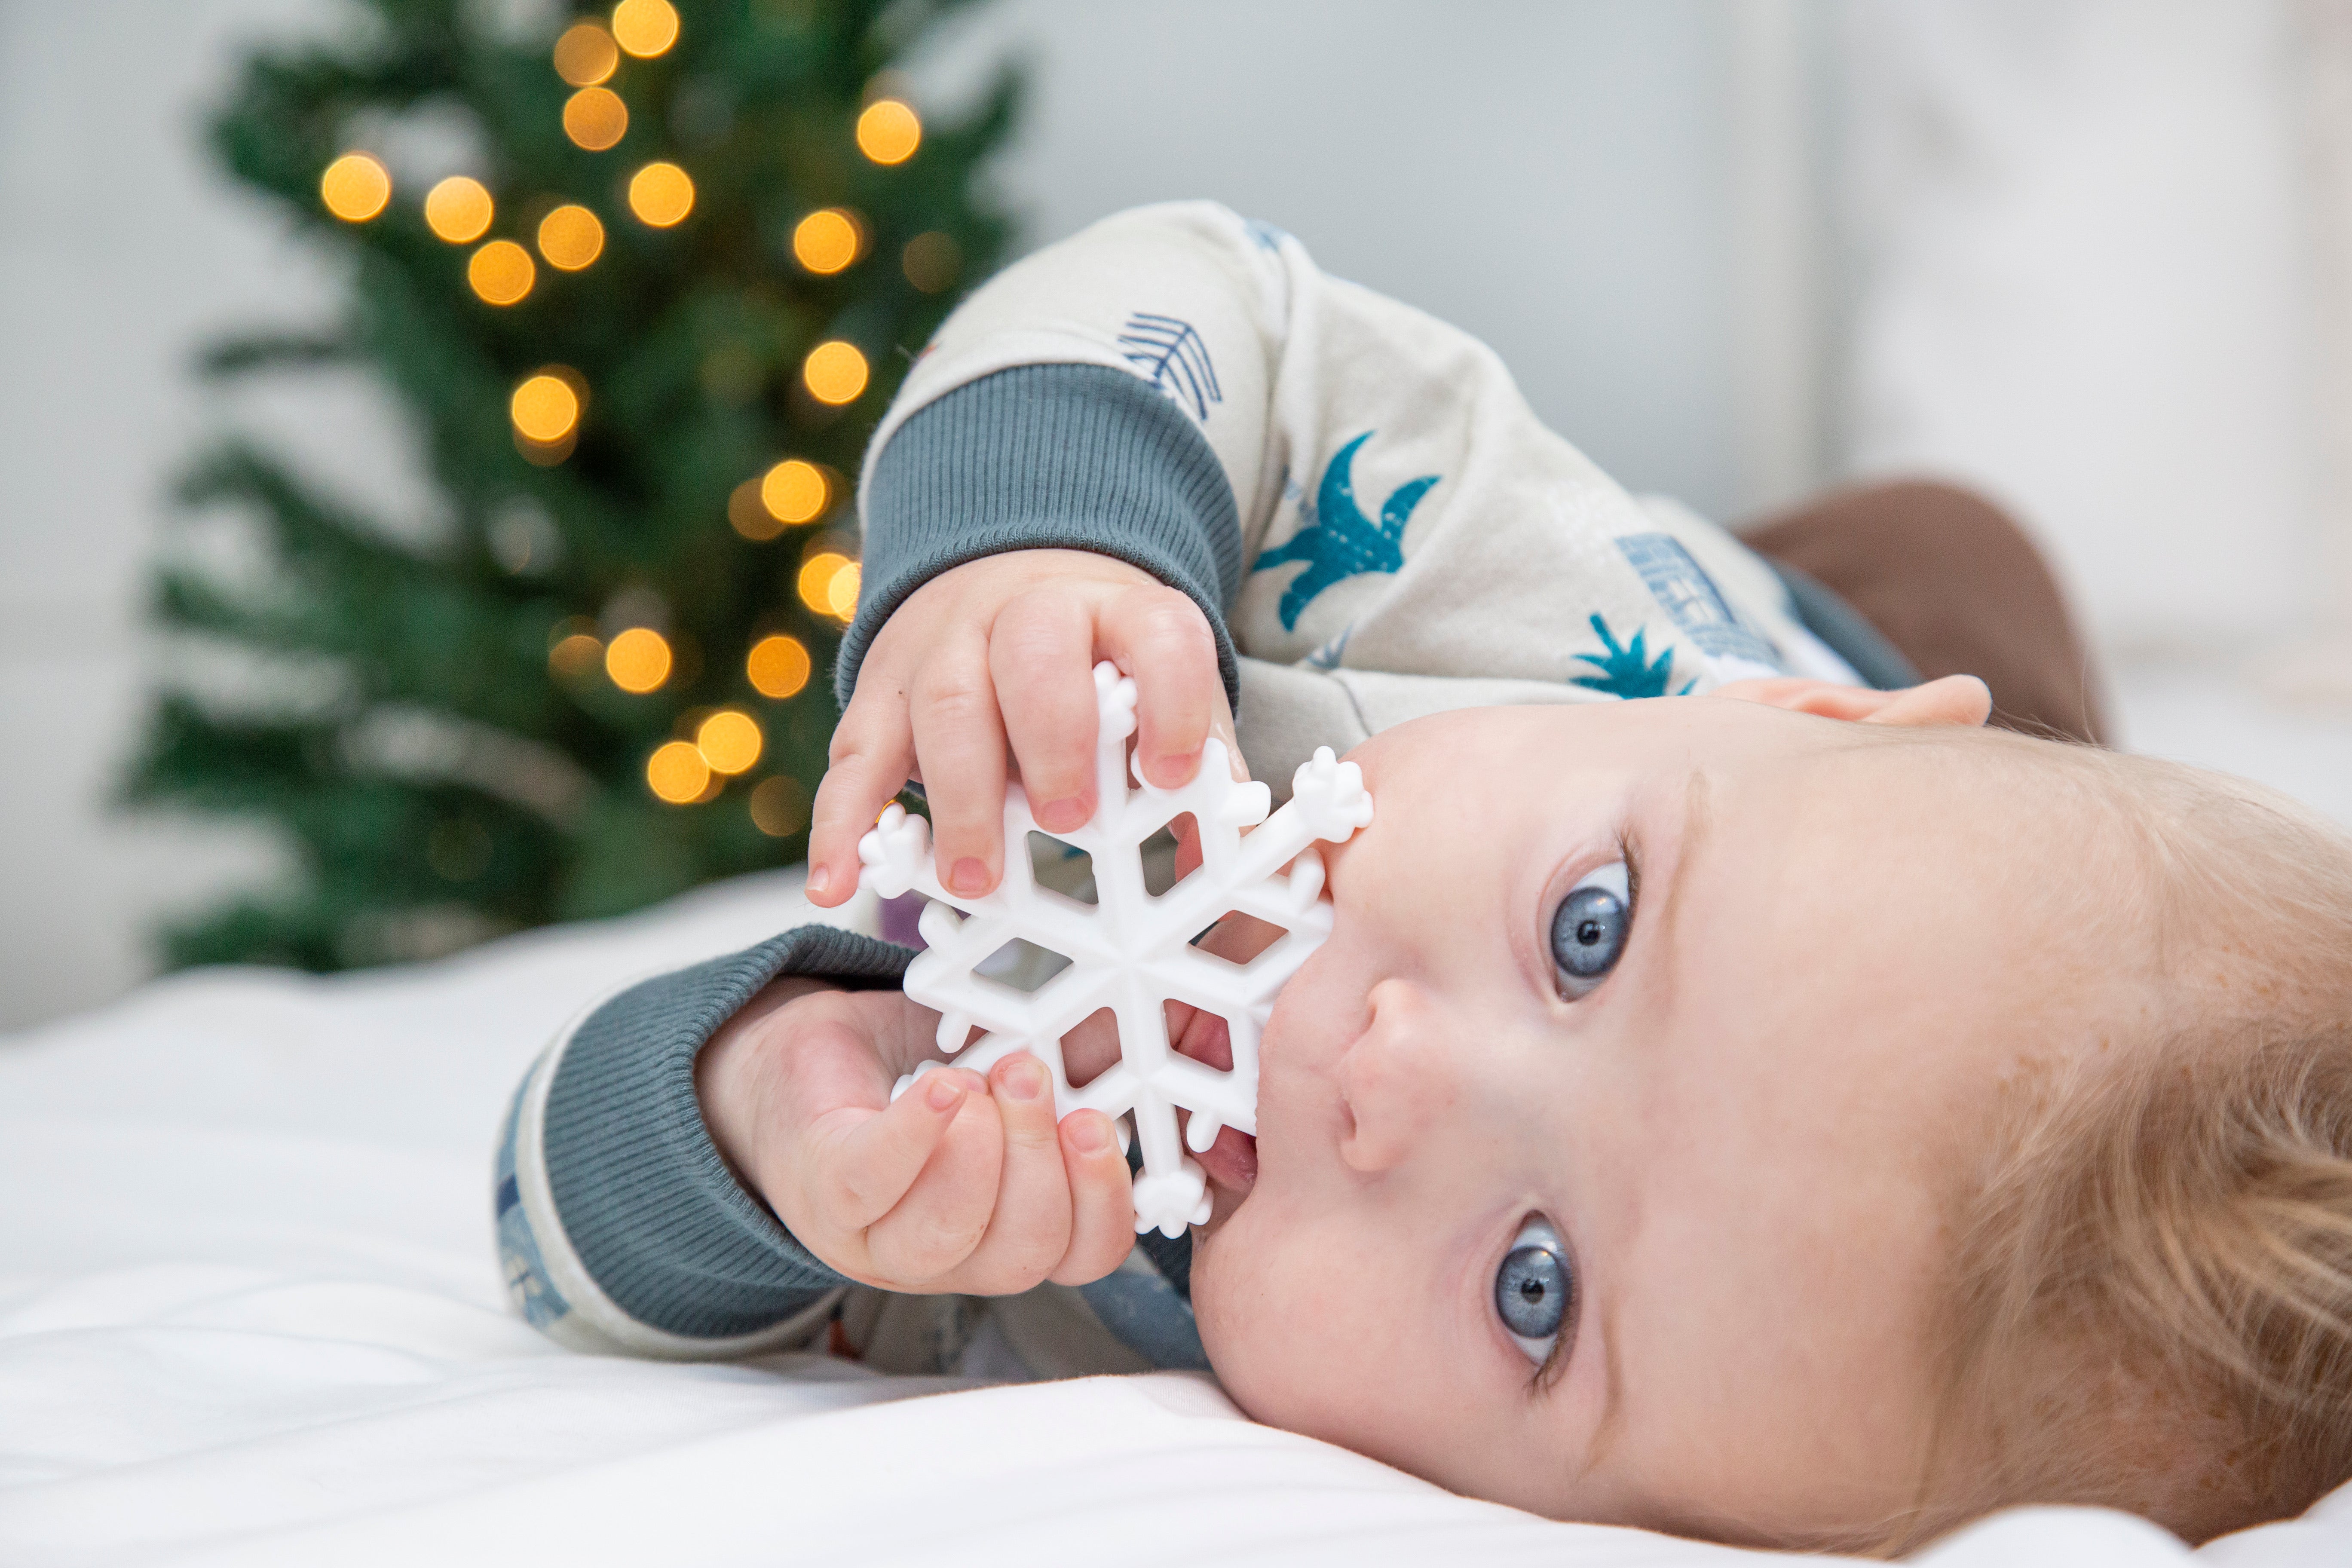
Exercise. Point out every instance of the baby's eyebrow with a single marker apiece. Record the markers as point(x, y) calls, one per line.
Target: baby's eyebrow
point(1612, 1410)
point(1697, 816)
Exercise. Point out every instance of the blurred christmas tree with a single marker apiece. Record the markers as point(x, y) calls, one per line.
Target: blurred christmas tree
point(644, 308)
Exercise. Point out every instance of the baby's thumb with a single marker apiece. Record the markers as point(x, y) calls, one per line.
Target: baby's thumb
point(878, 1154)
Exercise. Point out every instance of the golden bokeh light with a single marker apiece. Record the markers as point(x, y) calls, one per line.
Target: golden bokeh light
point(778, 665)
point(730, 741)
point(639, 661)
point(575, 655)
point(676, 773)
point(834, 372)
point(932, 262)
point(355, 187)
point(545, 408)
point(748, 515)
point(501, 272)
point(888, 132)
point(841, 591)
point(459, 209)
point(817, 573)
point(570, 237)
point(661, 195)
point(826, 241)
point(585, 55)
point(645, 28)
point(795, 491)
point(780, 806)
point(595, 118)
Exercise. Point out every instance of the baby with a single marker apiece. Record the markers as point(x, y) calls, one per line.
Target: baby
point(1797, 1115)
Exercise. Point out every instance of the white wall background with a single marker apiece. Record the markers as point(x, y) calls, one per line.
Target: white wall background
point(2078, 245)
point(118, 249)
point(1552, 175)
point(2089, 249)
point(2066, 268)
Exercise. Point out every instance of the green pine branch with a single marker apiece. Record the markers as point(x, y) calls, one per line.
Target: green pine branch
point(267, 351)
point(455, 782)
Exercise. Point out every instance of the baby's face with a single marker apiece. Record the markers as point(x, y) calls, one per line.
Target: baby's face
point(1717, 1113)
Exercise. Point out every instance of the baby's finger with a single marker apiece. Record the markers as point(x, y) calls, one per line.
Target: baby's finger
point(943, 1216)
point(874, 1163)
point(1159, 636)
point(871, 756)
point(1031, 1227)
point(1040, 659)
point(1102, 1199)
point(960, 746)
point(1188, 845)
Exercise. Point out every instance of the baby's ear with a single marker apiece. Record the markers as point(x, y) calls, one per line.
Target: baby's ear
point(1954, 699)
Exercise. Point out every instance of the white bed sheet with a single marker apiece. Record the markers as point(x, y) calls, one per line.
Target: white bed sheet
point(250, 1313)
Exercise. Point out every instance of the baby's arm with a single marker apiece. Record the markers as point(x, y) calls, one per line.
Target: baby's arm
point(1367, 517)
point(1055, 486)
point(620, 1227)
point(699, 1164)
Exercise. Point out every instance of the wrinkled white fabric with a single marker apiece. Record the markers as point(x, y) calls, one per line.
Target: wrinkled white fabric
point(248, 1314)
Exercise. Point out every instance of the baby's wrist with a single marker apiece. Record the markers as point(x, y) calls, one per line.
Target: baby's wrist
point(1040, 563)
point(734, 1074)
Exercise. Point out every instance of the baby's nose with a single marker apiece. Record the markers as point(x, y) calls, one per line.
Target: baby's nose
point(1397, 1078)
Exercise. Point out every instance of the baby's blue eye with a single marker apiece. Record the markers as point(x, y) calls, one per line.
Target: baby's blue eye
point(1535, 1289)
point(1589, 928)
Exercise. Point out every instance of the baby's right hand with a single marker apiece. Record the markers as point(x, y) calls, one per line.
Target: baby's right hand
point(960, 1185)
point(1001, 651)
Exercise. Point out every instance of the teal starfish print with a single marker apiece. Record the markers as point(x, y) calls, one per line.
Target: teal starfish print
point(1626, 671)
point(1339, 540)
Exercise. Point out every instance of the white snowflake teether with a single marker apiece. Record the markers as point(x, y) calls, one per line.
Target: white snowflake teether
point(1131, 952)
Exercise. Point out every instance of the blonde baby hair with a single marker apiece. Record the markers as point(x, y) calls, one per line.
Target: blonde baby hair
point(2152, 1298)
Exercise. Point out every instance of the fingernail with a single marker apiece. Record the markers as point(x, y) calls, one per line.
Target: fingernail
point(943, 1093)
point(819, 880)
point(1089, 1134)
point(1178, 767)
point(969, 876)
point(1066, 813)
point(1024, 1080)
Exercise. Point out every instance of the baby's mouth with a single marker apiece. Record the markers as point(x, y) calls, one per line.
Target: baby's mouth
point(1231, 1161)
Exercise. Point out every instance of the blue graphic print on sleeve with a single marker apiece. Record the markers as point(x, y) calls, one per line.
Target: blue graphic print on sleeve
point(1333, 651)
point(529, 1286)
point(1264, 235)
point(1625, 670)
point(1686, 592)
point(1336, 540)
point(1177, 357)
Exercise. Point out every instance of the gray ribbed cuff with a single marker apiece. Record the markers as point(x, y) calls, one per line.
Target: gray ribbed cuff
point(1049, 457)
point(650, 1207)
